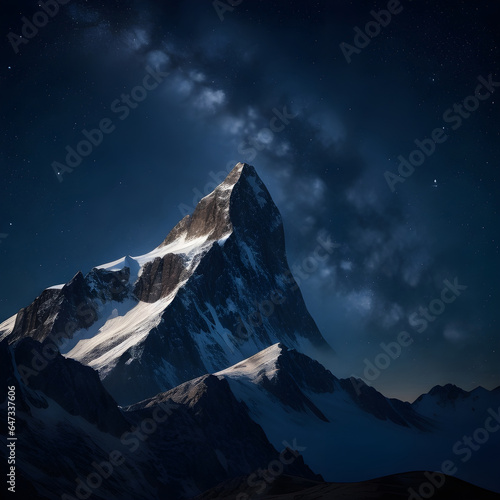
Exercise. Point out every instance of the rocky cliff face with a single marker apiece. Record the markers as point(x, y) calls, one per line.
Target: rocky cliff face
point(160, 277)
point(59, 312)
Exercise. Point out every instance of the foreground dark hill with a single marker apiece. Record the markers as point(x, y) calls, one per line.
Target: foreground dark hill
point(395, 487)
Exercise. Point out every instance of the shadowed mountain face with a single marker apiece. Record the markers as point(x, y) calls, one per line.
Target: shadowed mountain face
point(216, 291)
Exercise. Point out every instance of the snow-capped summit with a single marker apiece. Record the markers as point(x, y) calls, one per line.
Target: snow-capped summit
point(262, 365)
point(217, 290)
point(280, 366)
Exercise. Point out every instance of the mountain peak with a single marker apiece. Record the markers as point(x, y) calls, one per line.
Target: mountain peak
point(441, 395)
point(196, 304)
point(263, 364)
point(449, 391)
point(281, 365)
point(215, 214)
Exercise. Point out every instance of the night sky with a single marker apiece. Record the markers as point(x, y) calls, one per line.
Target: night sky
point(183, 95)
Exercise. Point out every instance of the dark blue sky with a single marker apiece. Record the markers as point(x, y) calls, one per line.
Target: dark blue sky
point(343, 126)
